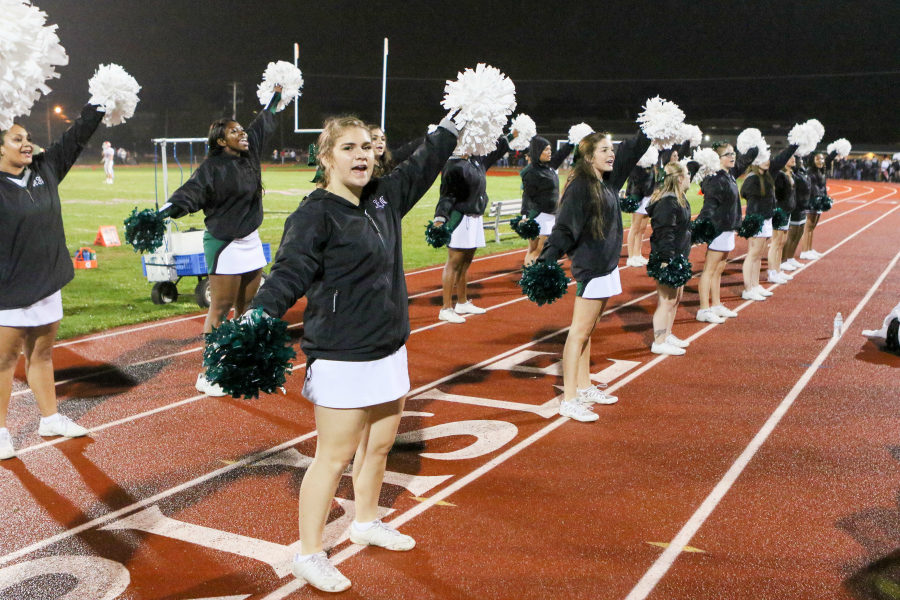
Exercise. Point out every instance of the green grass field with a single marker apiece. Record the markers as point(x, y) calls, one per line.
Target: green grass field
point(118, 294)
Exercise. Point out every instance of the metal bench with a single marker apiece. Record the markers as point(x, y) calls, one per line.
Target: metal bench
point(500, 212)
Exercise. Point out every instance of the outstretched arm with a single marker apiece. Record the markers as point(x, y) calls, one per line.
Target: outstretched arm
point(62, 154)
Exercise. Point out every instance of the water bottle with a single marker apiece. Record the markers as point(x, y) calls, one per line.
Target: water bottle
point(838, 325)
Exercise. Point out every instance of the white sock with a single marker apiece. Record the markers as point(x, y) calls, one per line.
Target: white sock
point(4, 430)
point(362, 526)
point(50, 420)
point(301, 557)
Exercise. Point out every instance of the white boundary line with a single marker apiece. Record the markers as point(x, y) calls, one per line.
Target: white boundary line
point(659, 568)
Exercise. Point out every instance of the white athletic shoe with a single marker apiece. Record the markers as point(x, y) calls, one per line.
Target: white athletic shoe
point(594, 395)
point(666, 348)
point(380, 534)
point(643, 260)
point(210, 389)
point(633, 261)
point(723, 311)
point(449, 315)
point(6, 445)
point(752, 295)
point(61, 425)
point(467, 308)
point(763, 291)
point(817, 254)
point(577, 411)
point(787, 276)
point(776, 277)
point(677, 342)
point(708, 315)
point(318, 572)
point(808, 255)
point(788, 266)
point(795, 262)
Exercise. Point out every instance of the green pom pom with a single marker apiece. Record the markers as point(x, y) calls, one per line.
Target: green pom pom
point(675, 273)
point(820, 203)
point(630, 204)
point(249, 354)
point(436, 236)
point(543, 283)
point(751, 225)
point(779, 218)
point(144, 230)
point(528, 229)
point(703, 231)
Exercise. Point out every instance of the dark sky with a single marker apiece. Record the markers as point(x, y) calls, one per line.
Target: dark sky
point(724, 62)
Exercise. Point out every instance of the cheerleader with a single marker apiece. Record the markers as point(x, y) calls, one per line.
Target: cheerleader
point(385, 159)
point(35, 266)
point(786, 201)
point(817, 187)
point(540, 190)
point(463, 198)
point(670, 218)
point(759, 191)
point(108, 159)
point(589, 229)
point(722, 207)
point(798, 216)
point(641, 182)
point(342, 249)
point(227, 187)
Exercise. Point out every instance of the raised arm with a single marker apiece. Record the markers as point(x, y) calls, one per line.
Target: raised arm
point(497, 154)
point(743, 162)
point(627, 156)
point(416, 174)
point(777, 163)
point(405, 151)
point(262, 126)
point(63, 153)
point(561, 154)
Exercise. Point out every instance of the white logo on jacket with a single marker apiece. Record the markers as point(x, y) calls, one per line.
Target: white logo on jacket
point(379, 202)
point(37, 181)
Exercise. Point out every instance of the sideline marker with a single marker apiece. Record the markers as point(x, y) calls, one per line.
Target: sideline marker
point(107, 235)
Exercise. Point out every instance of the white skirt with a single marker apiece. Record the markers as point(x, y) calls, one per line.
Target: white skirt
point(468, 234)
point(723, 243)
point(546, 221)
point(349, 384)
point(798, 222)
point(45, 311)
point(766, 231)
point(602, 287)
point(242, 255)
point(642, 209)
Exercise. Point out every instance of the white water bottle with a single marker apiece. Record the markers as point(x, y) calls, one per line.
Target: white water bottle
point(838, 325)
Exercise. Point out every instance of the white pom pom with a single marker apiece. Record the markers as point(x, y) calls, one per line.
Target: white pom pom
point(113, 89)
point(29, 54)
point(661, 121)
point(765, 153)
point(432, 128)
point(649, 158)
point(526, 128)
point(692, 133)
point(484, 97)
point(842, 146)
point(710, 163)
point(280, 73)
point(818, 128)
point(579, 132)
point(804, 136)
point(895, 157)
point(749, 138)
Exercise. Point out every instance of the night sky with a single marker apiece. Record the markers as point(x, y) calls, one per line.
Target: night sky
point(727, 64)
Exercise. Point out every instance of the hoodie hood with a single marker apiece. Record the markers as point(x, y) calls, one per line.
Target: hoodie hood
point(536, 148)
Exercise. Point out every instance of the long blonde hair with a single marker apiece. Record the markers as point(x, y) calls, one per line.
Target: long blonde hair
point(764, 178)
point(671, 185)
point(331, 131)
point(583, 169)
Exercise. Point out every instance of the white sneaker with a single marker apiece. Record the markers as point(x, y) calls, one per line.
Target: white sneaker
point(666, 348)
point(577, 411)
point(752, 295)
point(723, 311)
point(787, 276)
point(210, 389)
point(594, 395)
point(6, 445)
point(633, 261)
point(775, 277)
point(808, 255)
point(762, 291)
point(61, 425)
point(708, 315)
point(467, 308)
point(788, 266)
point(795, 262)
point(380, 534)
point(643, 260)
point(449, 315)
point(677, 342)
point(318, 572)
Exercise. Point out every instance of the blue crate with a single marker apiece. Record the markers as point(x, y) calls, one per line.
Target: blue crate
point(189, 265)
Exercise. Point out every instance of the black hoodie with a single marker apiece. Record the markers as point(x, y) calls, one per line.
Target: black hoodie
point(34, 260)
point(721, 202)
point(761, 202)
point(348, 261)
point(463, 183)
point(540, 183)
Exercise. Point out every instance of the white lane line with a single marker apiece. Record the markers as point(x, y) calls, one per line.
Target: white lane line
point(265, 453)
point(659, 568)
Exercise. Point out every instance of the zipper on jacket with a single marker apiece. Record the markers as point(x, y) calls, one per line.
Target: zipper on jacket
point(334, 301)
point(378, 231)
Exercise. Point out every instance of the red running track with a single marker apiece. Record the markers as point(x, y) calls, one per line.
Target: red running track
point(688, 488)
